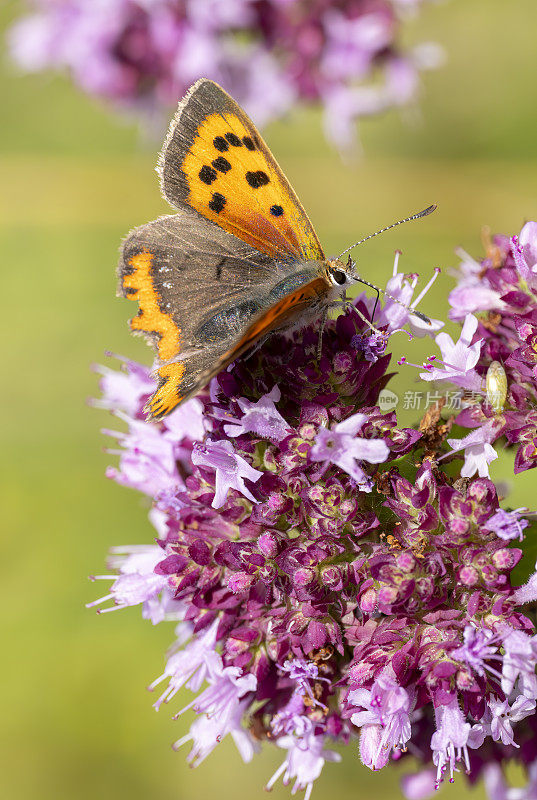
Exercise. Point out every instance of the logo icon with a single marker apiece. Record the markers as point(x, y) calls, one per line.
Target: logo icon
point(388, 400)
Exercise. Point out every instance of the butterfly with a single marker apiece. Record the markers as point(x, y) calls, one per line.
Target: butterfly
point(239, 258)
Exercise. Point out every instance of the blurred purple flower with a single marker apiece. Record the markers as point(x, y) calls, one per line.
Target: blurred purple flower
point(269, 55)
point(420, 785)
point(508, 524)
point(498, 789)
point(304, 762)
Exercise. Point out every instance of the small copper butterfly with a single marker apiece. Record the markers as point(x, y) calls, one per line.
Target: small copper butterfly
point(237, 260)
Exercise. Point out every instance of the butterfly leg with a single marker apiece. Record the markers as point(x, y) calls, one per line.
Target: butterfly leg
point(258, 345)
point(321, 331)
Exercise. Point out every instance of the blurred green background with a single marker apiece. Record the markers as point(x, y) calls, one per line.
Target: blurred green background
point(77, 720)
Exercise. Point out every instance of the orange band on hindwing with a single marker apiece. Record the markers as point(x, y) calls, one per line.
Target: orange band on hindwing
point(167, 395)
point(151, 320)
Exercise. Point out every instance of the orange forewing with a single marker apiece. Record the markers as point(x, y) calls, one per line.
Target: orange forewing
point(247, 209)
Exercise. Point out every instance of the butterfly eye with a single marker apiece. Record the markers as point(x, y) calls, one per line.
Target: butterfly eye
point(338, 277)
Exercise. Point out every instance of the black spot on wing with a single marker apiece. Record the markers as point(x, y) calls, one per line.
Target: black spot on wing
point(220, 144)
point(257, 179)
point(207, 174)
point(221, 164)
point(217, 202)
point(233, 139)
point(276, 211)
point(248, 143)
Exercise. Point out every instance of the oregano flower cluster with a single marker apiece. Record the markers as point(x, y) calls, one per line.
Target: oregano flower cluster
point(331, 576)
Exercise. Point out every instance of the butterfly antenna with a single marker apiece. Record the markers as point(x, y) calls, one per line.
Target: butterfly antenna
point(424, 213)
point(394, 299)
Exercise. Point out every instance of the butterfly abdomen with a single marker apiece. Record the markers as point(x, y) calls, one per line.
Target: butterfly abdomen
point(227, 323)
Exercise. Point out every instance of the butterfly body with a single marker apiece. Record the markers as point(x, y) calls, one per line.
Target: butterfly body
point(238, 260)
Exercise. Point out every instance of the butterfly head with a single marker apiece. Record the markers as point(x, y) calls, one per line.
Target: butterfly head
point(341, 275)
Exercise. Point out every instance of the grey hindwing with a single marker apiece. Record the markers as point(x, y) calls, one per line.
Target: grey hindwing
point(211, 283)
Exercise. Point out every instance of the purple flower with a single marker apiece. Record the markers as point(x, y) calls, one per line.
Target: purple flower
point(303, 672)
point(497, 788)
point(480, 645)
point(519, 663)
point(148, 461)
point(478, 452)
point(352, 43)
point(261, 418)
point(528, 242)
point(472, 295)
point(385, 723)
point(524, 252)
point(231, 470)
point(394, 314)
point(508, 525)
point(222, 706)
point(124, 390)
point(503, 292)
point(528, 592)
point(341, 447)
point(138, 584)
point(420, 785)
point(227, 685)
point(502, 715)
point(292, 718)
point(207, 732)
point(190, 666)
point(458, 358)
point(270, 56)
point(185, 422)
point(372, 346)
point(304, 762)
point(450, 742)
